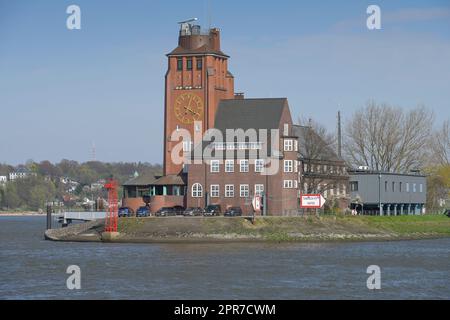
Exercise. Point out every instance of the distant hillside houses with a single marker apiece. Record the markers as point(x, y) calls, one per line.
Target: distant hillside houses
point(70, 185)
point(97, 186)
point(20, 173)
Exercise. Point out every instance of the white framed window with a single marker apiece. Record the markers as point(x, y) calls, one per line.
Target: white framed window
point(295, 166)
point(229, 166)
point(244, 165)
point(288, 145)
point(197, 190)
point(259, 165)
point(295, 184)
point(414, 188)
point(295, 145)
point(215, 191)
point(288, 184)
point(286, 129)
point(421, 188)
point(407, 187)
point(288, 166)
point(244, 190)
point(259, 189)
point(215, 166)
point(229, 191)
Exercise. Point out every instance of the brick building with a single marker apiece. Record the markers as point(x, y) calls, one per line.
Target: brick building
point(236, 169)
point(322, 170)
point(196, 80)
point(262, 157)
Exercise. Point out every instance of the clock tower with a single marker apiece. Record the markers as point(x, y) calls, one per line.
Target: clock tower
point(196, 80)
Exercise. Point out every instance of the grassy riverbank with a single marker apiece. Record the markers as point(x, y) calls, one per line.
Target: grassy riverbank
point(327, 228)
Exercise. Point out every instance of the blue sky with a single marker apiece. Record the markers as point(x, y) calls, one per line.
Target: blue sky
point(61, 90)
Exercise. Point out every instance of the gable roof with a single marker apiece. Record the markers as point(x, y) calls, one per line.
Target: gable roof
point(244, 114)
point(22, 169)
point(143, 180)
point(250, 113)
point(170, 180)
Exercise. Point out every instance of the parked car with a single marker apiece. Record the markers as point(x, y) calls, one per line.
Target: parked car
point(166, 212)
point(125, 212)
point(179, 210)
point(143, 212)
point(212, 210)
point(233, 212)
point(192, 212)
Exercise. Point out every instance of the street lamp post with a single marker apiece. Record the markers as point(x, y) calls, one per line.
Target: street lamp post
point(379, 194)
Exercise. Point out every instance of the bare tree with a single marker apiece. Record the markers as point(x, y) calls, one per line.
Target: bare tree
point(316, 148)
point(387, 138)
point(440, 146)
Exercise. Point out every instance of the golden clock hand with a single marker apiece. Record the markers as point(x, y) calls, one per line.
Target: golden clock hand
point(192, 112)
point(189, 109)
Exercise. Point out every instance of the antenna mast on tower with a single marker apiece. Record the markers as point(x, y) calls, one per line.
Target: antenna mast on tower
point(209, 9)
point(93, 152)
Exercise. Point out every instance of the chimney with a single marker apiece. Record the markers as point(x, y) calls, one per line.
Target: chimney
point(239, 96)
point(214, 39)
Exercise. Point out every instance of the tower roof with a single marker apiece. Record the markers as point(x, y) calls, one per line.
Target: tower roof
point(193, 41)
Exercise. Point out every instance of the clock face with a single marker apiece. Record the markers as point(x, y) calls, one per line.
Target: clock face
point(189, 108)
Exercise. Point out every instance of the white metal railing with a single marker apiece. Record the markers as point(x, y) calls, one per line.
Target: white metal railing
point(84, 216)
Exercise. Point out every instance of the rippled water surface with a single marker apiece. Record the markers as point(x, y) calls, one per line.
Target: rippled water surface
point(32, 268)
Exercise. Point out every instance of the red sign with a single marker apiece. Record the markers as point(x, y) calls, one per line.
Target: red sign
point(311, 201)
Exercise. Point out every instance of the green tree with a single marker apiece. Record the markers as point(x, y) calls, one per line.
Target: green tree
point(11, 200)
point(38, 196)
point(438, 186)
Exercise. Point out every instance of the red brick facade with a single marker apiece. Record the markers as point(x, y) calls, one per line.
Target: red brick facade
point(279, 189)
point(196, 80)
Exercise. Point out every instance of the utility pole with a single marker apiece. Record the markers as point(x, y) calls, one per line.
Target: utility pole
point(339, 135)
point(379, 194)
point(94, 156)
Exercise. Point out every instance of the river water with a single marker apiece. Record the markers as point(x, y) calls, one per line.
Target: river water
point(32, 268)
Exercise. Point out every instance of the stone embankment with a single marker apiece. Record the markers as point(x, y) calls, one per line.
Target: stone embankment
point(275, 229)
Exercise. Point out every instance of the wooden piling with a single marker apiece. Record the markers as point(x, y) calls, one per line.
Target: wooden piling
point(49, 217)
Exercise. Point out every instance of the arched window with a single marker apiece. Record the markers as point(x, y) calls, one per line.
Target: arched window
point(197, 190)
